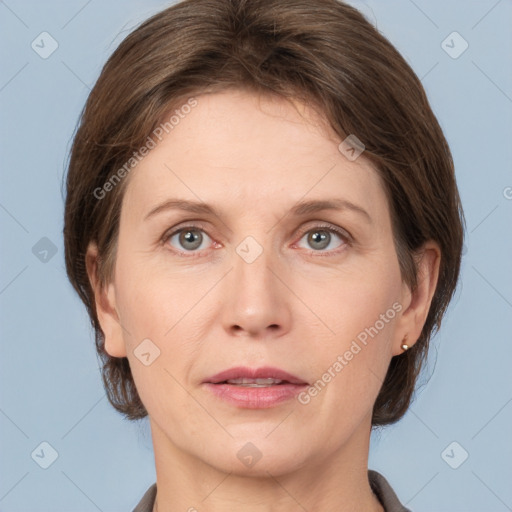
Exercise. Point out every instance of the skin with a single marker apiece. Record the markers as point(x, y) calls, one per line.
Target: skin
point(298, 306)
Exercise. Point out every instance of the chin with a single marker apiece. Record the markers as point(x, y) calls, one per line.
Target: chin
point(259, 459)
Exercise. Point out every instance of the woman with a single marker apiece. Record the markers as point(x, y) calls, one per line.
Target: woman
point(263, 222)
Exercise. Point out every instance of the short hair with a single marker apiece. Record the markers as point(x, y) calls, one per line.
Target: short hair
point(321, 52)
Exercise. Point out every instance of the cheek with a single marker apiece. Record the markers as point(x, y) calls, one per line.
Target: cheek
point(155, 308)
point(159, 306)
point(353, 303)
point(151, 300)
point(351, 364)
point(360, 312)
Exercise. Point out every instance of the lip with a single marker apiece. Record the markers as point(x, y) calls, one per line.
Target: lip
point(266, 372)
point(254, 398)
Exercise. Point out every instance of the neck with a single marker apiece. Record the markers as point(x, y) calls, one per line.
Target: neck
point(336, 483)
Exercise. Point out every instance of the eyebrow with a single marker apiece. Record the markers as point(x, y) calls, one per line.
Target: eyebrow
point(302, 208)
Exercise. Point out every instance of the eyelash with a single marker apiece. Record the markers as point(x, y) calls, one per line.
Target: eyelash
point(320, 227)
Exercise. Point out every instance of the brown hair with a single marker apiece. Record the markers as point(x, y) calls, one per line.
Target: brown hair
point(322, 52)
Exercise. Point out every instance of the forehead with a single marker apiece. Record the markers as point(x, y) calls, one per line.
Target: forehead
point(257, 150)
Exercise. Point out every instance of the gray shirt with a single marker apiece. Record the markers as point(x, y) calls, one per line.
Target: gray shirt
point(378, 483)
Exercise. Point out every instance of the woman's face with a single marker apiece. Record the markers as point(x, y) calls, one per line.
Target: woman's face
point(315, 292)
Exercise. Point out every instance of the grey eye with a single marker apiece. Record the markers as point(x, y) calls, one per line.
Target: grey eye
point(321, 238)
point(189, 239)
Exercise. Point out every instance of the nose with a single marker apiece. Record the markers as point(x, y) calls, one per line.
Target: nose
point(257, 300)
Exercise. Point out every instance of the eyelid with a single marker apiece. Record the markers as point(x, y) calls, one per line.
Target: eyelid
point(343, 233)
point(184, 225)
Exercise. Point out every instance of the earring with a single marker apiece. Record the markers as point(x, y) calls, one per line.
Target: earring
point(405, 347)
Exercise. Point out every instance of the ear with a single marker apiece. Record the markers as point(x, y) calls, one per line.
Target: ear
point(104, 297)
point(416, 303)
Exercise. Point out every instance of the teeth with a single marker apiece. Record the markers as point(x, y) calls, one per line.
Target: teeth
point(254, 383)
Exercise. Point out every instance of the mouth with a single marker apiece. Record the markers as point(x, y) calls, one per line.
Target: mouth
point(257, 377)
point(259, 388)
point(254, 383)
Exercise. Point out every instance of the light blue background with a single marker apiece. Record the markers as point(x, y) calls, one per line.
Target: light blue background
point(50, 386)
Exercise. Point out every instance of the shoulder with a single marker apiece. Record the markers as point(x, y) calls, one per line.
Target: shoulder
point(148, 500)
point(380, 486)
